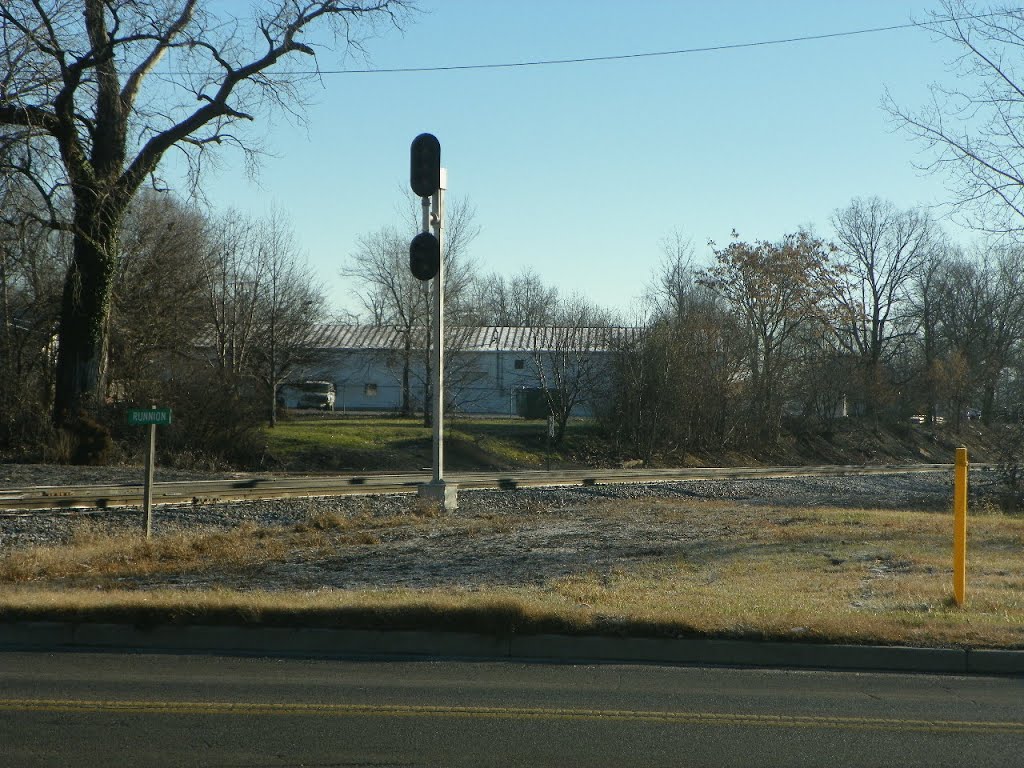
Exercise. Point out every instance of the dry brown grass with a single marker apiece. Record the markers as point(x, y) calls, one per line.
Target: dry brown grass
point(95, 555)
point(835, 575)
point(853, 575)
point(99, 557)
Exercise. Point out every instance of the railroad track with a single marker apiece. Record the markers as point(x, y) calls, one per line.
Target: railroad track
point(209, 491)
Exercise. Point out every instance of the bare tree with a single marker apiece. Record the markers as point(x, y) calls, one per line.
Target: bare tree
point(925, 303)
point(230, 281)
point(675, 382)
point(674, 379)
point(980, 306)
point(83, 85)
point(521, 300)
point(571, 357)
point(289, 300)
point(777, 289)
point(390, 294)
point(32, 261)
point(672, 286)
point(881, 249)
point(262, 301)
point(1003, 340)
point(569, 338)
point(973, 128)
point(157, 298)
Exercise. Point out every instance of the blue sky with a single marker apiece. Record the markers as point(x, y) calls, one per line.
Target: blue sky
point(579, 171)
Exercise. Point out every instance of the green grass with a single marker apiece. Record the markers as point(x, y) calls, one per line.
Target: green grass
point(336, 442)
point(365, 443)
point(290, 437)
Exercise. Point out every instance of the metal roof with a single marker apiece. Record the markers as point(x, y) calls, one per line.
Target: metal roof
point(490, 338)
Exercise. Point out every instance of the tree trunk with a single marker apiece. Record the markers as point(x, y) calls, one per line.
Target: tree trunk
point(988, 402)
point(871, 386)
point(85, 315)
point(273, 374)
point(929, 358)
point(428, 388)
point(406, 386)
point(428, 402)
point(561, 423)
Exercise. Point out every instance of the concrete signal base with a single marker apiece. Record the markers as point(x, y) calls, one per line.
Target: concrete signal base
point(442, 493)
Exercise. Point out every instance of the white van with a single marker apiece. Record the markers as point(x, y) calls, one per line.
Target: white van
point(307, 394)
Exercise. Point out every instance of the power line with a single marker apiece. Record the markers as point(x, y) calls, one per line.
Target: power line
point(654, 54)
point(647, 54)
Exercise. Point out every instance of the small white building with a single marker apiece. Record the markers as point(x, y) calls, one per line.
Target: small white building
point(488, 370)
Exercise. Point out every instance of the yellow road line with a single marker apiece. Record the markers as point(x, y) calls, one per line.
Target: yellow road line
point(511, 713)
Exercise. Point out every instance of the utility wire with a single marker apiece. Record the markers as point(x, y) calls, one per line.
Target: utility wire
point(653, 54)
point(648, 54)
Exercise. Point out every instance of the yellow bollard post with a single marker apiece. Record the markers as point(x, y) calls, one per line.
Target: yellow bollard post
point(960, 528)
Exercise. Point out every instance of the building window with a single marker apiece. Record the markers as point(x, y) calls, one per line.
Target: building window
point(370, 390)
point(520, 364)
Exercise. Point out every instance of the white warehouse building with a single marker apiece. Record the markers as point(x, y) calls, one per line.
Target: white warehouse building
point(488, 369)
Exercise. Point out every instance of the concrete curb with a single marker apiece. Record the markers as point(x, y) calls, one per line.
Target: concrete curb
point(88, 636)
point(744, 653)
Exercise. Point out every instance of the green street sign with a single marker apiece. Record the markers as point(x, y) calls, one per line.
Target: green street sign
point(146, 416)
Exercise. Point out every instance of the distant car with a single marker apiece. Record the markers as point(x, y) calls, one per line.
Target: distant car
point(307, 394)
point(972, 414)
point(918, 418)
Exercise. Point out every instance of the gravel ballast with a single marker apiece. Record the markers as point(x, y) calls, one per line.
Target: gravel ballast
point(912, 492)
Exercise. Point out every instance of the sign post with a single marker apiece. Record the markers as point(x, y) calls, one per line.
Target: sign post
point(151, 417)
point(547, 443)
point(960, 528)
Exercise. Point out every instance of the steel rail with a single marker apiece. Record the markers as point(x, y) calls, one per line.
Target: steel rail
point(99, 497)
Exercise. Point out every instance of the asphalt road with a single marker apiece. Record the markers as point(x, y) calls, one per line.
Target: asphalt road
point(85, 709)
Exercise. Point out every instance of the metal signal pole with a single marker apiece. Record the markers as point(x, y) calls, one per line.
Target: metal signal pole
point(426, 261)
point(437, 341)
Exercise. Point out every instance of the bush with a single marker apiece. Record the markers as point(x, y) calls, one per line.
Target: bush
point(1010, 468)
point(91, 441)
point(27, 434)
point(26, 431)
point(214, 424)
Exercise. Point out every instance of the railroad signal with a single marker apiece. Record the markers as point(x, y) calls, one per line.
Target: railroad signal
point(429, 181)
point(425, 165)
point(424, 256)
